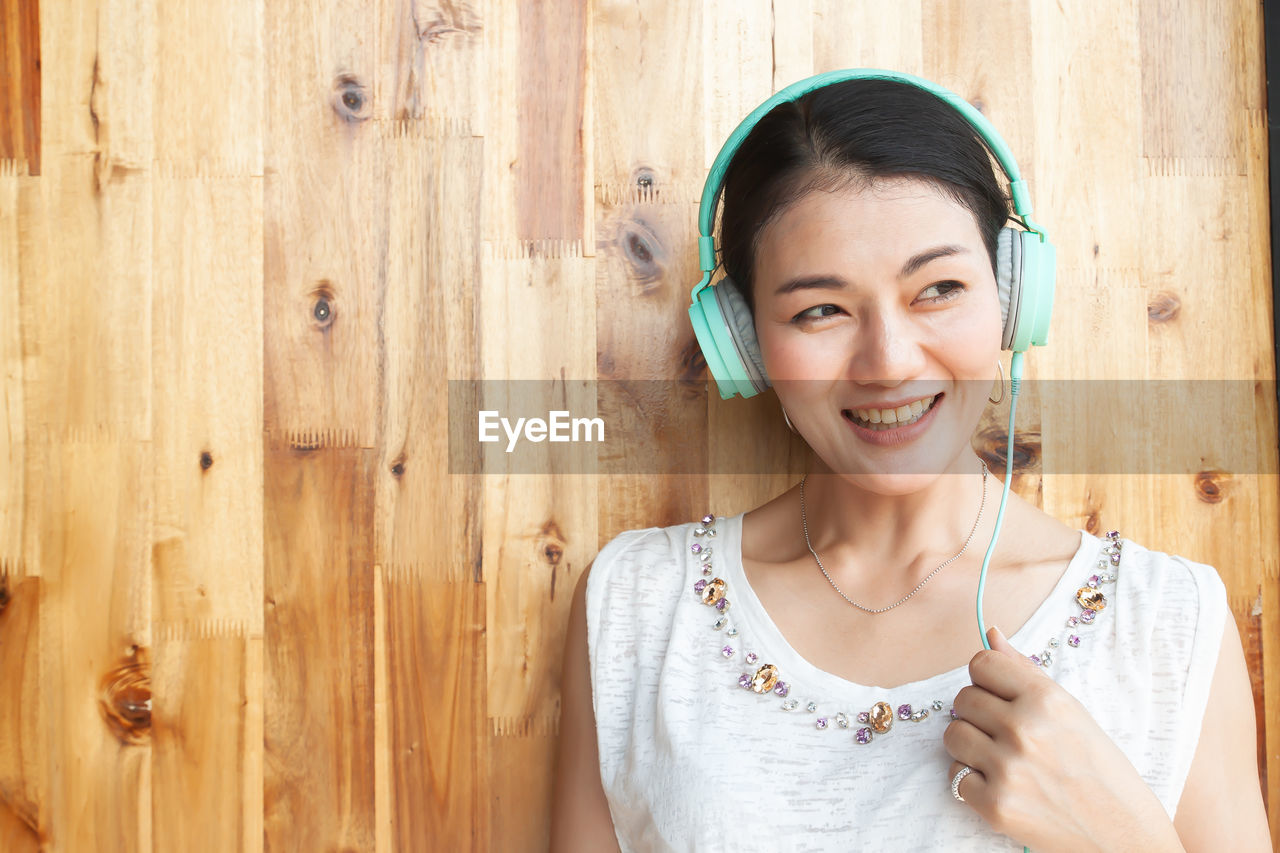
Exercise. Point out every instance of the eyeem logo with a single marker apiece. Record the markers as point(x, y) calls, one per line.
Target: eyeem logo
point(558, 427)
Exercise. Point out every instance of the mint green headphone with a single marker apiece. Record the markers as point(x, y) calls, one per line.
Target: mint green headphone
point(1025, 259)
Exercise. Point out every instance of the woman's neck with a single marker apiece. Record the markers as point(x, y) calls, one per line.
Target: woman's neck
point(879, 528)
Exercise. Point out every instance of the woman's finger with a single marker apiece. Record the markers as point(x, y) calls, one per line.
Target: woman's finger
point(973, 787)
point(968, 744)
point(1000, 643)
point(1000, 673)
point(985, 710)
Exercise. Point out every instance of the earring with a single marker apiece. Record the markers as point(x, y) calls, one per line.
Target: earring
point(785, 418)
point(1000, 368)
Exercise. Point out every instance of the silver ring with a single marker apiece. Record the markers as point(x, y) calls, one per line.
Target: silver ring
point(955, 783)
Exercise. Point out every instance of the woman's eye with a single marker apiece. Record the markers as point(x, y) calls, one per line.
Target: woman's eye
point(808, 314)
point(952, 290)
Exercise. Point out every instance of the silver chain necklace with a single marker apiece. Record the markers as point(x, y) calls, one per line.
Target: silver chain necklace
point(805, 522)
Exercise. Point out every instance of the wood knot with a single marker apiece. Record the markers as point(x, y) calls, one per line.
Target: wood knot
point(992, 442)
point(4, 592)
point(1211, 485)
point(693, 363)
point(643, 253)
point(645, 179)
point(206, 460)
point(1163, 307)
point(397, 467)
point(124, 698)
point(350, 99)
point(322, 296)
point(552, 543)
point(1091, 522)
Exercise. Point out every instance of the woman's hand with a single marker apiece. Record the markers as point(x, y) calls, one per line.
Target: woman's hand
point(1044, 772)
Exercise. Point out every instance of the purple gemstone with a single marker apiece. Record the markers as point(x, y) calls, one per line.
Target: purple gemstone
point(707, 519)
point(727, 651)
point(1087, 616)
point(1115, 559)
point(1073, 621)
point(863, 735)
point(864, 717)
point(722, 604)
point(821, 722)
point(1113, 534)
point(744, 680)
point(751, 657)
point(781, 688)
point(1094, 580)
point(1035, 659)
point(954, 715)
point(699, 586)
point(904, 712)
point(1073, 640)
point(696, 548)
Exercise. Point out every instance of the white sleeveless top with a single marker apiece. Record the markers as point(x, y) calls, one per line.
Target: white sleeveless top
point(691, 759)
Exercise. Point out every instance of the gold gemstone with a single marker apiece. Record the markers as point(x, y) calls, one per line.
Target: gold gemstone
point(713, 592)
point(881, 717)
point(764, 679)
point(1090, 598)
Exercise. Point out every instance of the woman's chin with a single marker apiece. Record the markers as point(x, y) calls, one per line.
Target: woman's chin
point(892, 484)
point(897, 473)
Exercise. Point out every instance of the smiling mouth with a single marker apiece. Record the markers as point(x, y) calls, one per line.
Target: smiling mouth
point(880, 420)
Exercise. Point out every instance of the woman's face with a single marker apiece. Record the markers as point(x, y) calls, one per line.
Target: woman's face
point(870, 298)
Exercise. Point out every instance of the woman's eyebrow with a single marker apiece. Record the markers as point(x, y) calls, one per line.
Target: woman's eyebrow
point(919, 260)
point(835, 282)
point(817, 282)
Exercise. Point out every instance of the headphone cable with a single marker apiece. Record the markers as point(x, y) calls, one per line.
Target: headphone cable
point(1015, 386)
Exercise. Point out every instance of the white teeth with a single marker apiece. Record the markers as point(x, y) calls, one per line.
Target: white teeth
point(901, 415)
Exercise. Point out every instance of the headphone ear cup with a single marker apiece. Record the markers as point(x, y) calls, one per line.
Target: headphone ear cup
point(1009, 281)
point(742, 329)
point(1037, 277)
point(724, 330)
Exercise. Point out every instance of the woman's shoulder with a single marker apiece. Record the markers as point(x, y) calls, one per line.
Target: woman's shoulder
point(1156, 571)
point(1169, 601)
point(641, 544)
point(635, 586)
point(648, 560)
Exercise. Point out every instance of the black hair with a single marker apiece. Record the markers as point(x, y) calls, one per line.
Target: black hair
point(844, 133)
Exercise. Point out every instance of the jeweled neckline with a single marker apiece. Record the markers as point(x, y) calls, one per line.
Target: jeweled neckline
point(751, 611)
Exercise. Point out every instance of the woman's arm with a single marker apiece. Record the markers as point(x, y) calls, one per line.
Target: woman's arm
point(1221, 805)
point(579, 811)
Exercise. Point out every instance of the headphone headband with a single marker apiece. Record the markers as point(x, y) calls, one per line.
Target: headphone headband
point(715, 178)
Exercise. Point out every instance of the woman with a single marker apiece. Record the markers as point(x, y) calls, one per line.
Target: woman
point(803, 676)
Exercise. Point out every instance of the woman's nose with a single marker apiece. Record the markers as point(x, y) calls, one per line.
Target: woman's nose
point(885, 348)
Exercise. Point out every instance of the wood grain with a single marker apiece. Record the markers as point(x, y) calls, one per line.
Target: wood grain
point(318, 573)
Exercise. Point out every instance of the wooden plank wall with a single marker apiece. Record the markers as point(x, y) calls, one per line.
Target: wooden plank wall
point(244, 245)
